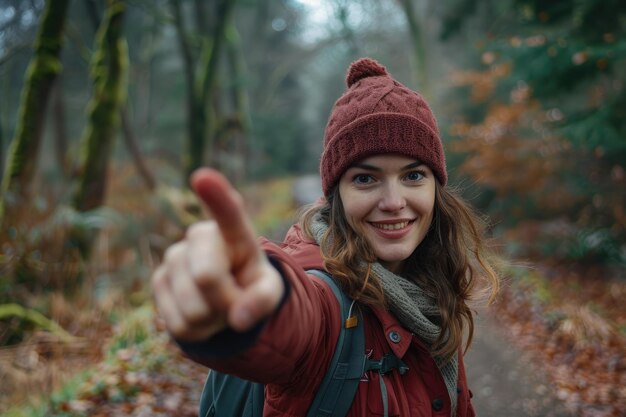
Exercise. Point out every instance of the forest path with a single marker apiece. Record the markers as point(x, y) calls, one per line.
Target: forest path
point(505, 381)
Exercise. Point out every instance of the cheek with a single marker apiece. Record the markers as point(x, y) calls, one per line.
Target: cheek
point(431, 213)
point(427, 208)
point(353, 206)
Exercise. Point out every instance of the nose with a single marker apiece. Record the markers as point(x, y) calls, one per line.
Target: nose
point(392, 198)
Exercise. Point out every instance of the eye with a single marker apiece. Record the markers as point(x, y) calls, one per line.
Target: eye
point(415, 176)
point(362, 179)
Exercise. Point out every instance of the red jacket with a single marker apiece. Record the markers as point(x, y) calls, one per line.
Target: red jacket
point(291, 351)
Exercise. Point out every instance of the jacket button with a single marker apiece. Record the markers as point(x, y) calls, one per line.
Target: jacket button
point(395, 336)
point(437, 404)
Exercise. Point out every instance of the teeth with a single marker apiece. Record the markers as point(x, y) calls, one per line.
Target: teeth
point(394, 226)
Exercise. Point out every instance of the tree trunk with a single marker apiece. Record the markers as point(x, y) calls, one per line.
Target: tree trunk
point(195, 108)
point(209, 61)
point(108, 69)
point(1, 145)
point(347, 32)
point(133, 147)
point(419, 48)
point(59, 128)
point(92, 11)
point(201, 15)
point(24, 150)
point(130, 140)
point(209, 65)
point(240, 102)
point(146, 80)
point(200, 82)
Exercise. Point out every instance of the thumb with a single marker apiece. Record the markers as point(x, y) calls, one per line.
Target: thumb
point(258, 300)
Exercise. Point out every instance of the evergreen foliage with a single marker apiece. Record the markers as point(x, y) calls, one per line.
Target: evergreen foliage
point(557, 111)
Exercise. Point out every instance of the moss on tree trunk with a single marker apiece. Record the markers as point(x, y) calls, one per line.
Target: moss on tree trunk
point(23, 153)
point(201, 82)
point(108, 70)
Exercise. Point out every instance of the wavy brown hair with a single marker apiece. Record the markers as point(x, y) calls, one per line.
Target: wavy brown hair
point(449, 264)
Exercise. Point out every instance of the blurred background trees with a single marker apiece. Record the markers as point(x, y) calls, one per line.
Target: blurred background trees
point(529, 96)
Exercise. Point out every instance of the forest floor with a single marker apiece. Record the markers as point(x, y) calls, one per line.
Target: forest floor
point(553, 345)
point(504, 380)
point(146, 375)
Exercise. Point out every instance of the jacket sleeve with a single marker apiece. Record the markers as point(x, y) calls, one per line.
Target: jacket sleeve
point(294, 344)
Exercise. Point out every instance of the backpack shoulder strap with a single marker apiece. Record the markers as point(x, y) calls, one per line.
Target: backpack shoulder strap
point(338, 388)
point(228, 396)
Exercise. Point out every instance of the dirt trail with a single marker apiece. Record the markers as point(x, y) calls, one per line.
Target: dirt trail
point(504, 381)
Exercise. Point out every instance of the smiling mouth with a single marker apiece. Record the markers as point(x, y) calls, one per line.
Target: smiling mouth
point(391, 226)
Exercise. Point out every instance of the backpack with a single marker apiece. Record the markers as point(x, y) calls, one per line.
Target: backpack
point(229, 396)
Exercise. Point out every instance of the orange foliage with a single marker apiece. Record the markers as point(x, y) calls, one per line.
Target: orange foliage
point(481, 83)
point(118, 389)
point(499, 158)
point(534, 173)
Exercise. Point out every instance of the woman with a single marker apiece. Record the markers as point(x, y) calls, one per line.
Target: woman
point(389, 232)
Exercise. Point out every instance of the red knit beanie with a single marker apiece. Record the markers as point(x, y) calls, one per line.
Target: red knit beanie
point(378, 115)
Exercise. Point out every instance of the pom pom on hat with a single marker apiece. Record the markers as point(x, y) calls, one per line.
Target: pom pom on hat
point(363, 68)
point(378, 115)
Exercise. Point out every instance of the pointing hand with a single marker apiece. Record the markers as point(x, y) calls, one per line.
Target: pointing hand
point(217, 276)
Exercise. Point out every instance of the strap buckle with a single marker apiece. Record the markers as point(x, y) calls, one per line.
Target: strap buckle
point(386, 364)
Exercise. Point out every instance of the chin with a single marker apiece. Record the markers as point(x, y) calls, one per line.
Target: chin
point(392, 258)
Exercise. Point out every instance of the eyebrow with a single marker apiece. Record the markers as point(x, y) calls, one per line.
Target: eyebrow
point(377, 169)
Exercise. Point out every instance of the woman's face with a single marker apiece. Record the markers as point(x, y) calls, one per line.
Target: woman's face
point(390, 198)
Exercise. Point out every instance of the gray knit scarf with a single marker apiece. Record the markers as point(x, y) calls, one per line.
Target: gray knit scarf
point(417, 311)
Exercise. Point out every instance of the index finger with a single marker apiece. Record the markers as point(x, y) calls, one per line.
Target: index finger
point(226, 204)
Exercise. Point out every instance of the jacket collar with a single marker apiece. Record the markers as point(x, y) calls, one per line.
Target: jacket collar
point(398, 338)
